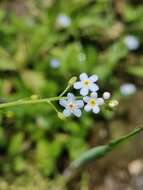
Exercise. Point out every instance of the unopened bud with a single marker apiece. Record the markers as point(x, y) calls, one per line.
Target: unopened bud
point(72, 80)
point(106, 95)
point(113, 103)
point(61, 116)
point(34, 97)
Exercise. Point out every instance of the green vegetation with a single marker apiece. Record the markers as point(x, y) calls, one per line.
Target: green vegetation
point(31, 37)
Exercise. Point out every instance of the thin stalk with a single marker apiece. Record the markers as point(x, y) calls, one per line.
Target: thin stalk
point(25, 102)
point(66, 89)
point(53, 106)
point(30, 101)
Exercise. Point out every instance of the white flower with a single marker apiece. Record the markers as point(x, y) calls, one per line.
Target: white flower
point(93, 103)
point(106, 95)
point(86, 84)
point(127, 89)
point(63, 20)
point(54, 63)
point(72, 106)
point(131, 42)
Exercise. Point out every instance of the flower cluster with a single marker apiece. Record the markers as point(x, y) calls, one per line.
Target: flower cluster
point(89, 97)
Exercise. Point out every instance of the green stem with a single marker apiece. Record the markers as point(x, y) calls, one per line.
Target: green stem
point(53, 106)
point(30, 101)
point(66, 89)
point(25, 102)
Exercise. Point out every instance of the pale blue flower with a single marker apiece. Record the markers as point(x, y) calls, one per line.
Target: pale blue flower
point(127, 89)
point(86, 84)
point(93, 103)
point(132, 42)
point(54, 63)
point(63, 20)
point(71, 105)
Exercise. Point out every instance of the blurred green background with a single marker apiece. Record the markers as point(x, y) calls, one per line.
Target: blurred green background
point(43, 43)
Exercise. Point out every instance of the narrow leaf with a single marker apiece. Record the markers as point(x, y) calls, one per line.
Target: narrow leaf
point(96, 153)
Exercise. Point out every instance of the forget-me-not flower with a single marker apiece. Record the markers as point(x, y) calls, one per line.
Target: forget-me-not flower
point(54, 63)
point(63, 20)
point(86, 84)
point(127, 89)
point(71, 105)
point(132, 42)
point(93, 103)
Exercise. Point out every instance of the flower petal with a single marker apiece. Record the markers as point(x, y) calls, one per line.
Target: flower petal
point(86, 99)
point(87, 108)
point(93, 87)
point(77, 85)
point(96, 109)
point(71, 97)
point(84, 91)
point(100, 101)
point(83, 76)
point(77, 112)
point(66, 112)
point(93, 78)
point(63, 102)
point(79, 103)
point(94, 95)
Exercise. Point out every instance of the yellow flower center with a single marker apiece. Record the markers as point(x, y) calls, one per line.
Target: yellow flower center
point(92, 102)
point(86, 82)
point(71, 106)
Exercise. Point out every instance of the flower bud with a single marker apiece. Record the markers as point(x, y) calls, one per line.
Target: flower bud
point(113, 103)
point(106, 95)
point(61, 116)
point(72, 80)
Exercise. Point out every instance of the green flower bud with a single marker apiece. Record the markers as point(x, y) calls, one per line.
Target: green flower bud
point(61, 116)
point(113, 103)
point(72, 80)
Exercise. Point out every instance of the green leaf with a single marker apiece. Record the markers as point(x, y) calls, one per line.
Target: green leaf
point(16, 144)
point(19, 164)
point(101, 151)
point(37, 80)
point(109, 60)
point(136, 71)
point(132, 13)
point(6, 61)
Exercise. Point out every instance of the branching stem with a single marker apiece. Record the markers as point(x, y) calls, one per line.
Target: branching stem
point(25, 102)
point(30, 101)
point(66, 89)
